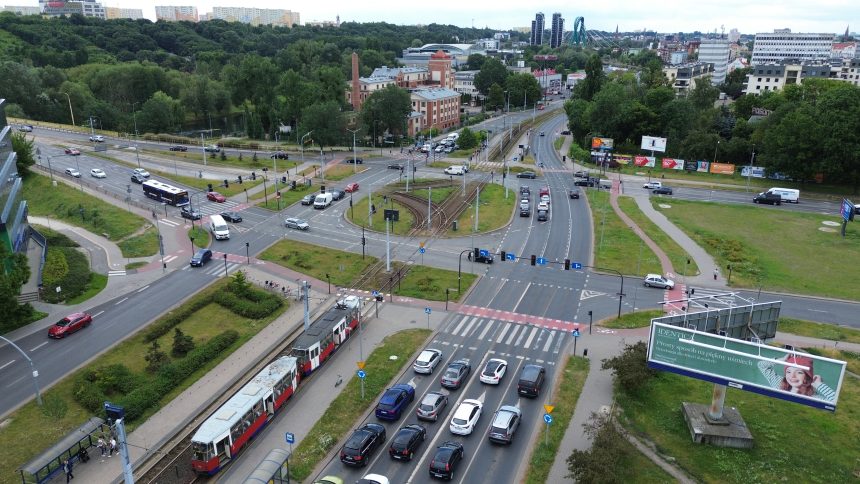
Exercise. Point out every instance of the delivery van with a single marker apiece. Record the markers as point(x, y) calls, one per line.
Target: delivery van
point(219, 227)
point(786, 194)
point(323, 200)
point(455, 170)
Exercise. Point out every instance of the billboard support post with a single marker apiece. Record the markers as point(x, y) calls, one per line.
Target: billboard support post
point(718, 400)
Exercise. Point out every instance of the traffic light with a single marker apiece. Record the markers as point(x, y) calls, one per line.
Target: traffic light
point(477, 253)
point(279, 194)
point(253, 176)
point(567, 264)
point(226, 183)
point(534, 259)
point(240, 179)
point(209, 185)
point(503, 255)
point(284, 180)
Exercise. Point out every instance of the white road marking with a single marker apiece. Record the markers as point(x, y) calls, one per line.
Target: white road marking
point(486, 329)
point(513, 334)
point(549, 341)
point(143, 289)
point(469, 327)
point(460, 325)
point(121, 301)
point(39, 346)
point(531, 337)
point(7, 364)
point(504, 331)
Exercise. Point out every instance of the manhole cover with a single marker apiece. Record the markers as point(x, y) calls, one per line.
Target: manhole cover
point(831, 223)
point(664, 205)
point(826, 229)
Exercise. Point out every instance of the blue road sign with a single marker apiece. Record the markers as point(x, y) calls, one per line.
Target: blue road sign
point(484, 252)
point(375, 293)
point(547, 418)
point(291, 439)
point(576, 333)
point(541, 261)
point(576, 265)
point(422, 250)
point(427, 310)
point(511, 256)
point(361, 374)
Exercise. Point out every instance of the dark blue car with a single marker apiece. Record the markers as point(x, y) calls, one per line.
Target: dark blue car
point(394, 401)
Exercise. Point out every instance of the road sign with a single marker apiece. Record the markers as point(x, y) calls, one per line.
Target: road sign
point(360, 365)
point(511, 256)
point(576, 265)
point(547, 418)
point(361, 374)
point(484, 252)
point(549, 408)
point(576, 333)
point(427, 310)
point(375, 293)
point(541, 261)
point(421, 244)
point(291, 438)
point(422, 250)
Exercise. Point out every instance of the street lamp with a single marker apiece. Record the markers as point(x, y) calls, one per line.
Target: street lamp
point(353, 131)
point(749, 170)
point(136, 135)
point(225, 265)
point(33, 371)
point(302, 144)
point(715, 150)
point(192, 243)
point(71, 113)
point(460, 269)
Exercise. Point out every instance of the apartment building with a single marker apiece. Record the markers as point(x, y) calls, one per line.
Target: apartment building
point(775, 76)
point(464, 83)
point(683, 78)
point(783, 44)
point(130, 13)
point(14, 228)
point(22, 10)
point(256, 16)
point(537, 30)
point(716, 52)
point(87, 8)
point(557, 33)
point(439, 108)
point(171, 13)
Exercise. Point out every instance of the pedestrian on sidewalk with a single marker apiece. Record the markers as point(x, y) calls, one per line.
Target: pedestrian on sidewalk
point(102, 446)
point(716, 272)
point(67, 468)
point(112, 446)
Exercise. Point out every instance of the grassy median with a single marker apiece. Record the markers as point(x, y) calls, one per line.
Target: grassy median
point(494, 211)
point(616, 246)
point(677, 255)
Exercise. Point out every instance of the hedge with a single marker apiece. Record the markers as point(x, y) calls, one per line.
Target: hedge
point(73, 282)
point(248, 308)
point(167, 322)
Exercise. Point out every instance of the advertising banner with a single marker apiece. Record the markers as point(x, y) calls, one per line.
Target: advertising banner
point(691, 165)
point(703, 166)
point(644, 161)
point(775, 372)
point(602, 143)
point(753, 171)
point(651, 143)
point(624, 159)
point(723, 168)
point(673, 164)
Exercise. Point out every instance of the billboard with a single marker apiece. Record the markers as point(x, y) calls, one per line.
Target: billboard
point(703, 166)
point(723, 168)
point(846, 210)
point(775, 372)
point(602, 143)
point(644, 161)
point(624, 159)
point(673, 164)
point(651, 143)
point(753, 171)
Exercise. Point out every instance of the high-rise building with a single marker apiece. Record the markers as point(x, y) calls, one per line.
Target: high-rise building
point(734, 36)
point(171, 13)
point(87, 8)
point(537, 30)
point(116, 12)
point(557, 34)
point(256, 16)
point(783, 44)
point(716, 52)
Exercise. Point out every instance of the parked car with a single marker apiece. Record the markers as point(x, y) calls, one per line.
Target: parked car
point(308, 199)
point(656, 280)
point(25, 128)
point(493, 371)
point(178, 148)
point(73, 172)
point(446, 460)
point(296, 223)
point(580, 174)
point(584, 182)
point(431, 406)
point(329, 480)
point(506, 421)
point(466, 417)
point(201, 257)
point(280, 155)
point(212, 149)
point(234, 217)
point(98, 173)
point(484, 259)
point(456, 374)
point(662, 191)
point(70, 324)
point(190, 214)
point(574, 193)
point(137, 178)
point(427, 361)
point(97, 138)
point(394, 401)
point(141, 172)
point(337, 194)
point(395, 166)
point(354, 160)
point(527, 174)
point(216, 197)
point(406, 442)
point(361, 444)
point(542, 133)
point(72, 151)
point(352, 187)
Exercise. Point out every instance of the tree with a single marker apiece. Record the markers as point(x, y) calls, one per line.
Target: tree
point(161, 113)
point(496, 98)
point(630, 368)
point(578, 115)
point(326, 121)
point(734, 83)
point(182, 343)
point(155, 358)
point(11, 280)
point(793, 142)
point(703, 94)
point(386, 110)
point(594, 78)
point(602, 462)
point(475, 62)
point(467, 139)
point(23, 148)
point(522, 87)
point(492, 72)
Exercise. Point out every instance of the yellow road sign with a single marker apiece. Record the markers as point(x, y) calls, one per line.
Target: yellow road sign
point(548, 408)
point(360, 365)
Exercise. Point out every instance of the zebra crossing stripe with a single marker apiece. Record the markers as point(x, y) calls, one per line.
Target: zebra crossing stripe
point(531, 337)
point(504, 331)
point(486, 329)
point(469, 327)
point(513, 334)
point(462, 322)
point(549, 341)
point(116, 273)
point(521, 336)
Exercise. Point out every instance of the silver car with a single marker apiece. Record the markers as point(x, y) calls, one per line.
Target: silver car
point(431, 406)
point(656, 280)
point(427, 361)
point(296, 223)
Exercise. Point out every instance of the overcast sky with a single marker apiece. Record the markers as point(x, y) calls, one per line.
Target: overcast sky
point(748, 16)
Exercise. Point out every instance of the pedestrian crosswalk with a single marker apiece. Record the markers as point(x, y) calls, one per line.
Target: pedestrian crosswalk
point(213, 208)
point(696, 299)
point(504, 334)
point(216, 268)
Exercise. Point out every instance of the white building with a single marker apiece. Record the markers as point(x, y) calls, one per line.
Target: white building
point(171, 13)
point(734, 36)
point(22, 10)
point(116, 12)
point(464, 83)
point(87, 8)
point(716, 52)
point(683, 78)
point(678, 57)
point(783, 44)
point(850, 71)
point(256, 16)
point(844, 50)
point(775, 76)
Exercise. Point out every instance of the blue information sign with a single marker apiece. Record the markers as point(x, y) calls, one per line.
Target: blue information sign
point(846, 209)
point(422, 250)
point(427, 310)
point(375, 293)
point(361, 374)
point(547, 418)
point(510, 256)
point(576, 333)
point(291, 438)
point(541, 261)
point(484, 252)
point(576, 265)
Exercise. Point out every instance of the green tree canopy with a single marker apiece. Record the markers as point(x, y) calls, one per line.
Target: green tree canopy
point(492, 72)
point(326, 121)
point(387, 109)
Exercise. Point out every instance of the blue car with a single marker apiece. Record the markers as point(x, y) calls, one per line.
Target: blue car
point(394, 401)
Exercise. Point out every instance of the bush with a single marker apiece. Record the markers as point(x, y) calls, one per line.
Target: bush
point(115, 378)
point(173, 318)
point(54, 406)
point(247, 308)
point(155, 358)
point(69, 270)
point(55, 268)
point(88, 395)
point(630, 368)
point(56, 239)
point(182, 343)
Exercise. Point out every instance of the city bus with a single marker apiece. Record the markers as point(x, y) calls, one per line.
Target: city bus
point(165, 193)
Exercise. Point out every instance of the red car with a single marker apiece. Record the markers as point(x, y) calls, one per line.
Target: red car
point(72, 151)
point(216, 197)
point(352, 187)
point(69, 325)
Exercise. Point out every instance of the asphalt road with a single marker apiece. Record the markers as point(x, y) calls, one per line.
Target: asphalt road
point(823, 207)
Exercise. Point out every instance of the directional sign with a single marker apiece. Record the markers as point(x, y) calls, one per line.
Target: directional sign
point(576, 265)
point(361, 374)
point(547, 418)
point(549, 408)
point(427, 310)
point(375, 293)
point(510, 256)
point(422, 250)
point(541, 261)
point(484, 252)
point(291, 438)
point(576, 333)
point(360, 365)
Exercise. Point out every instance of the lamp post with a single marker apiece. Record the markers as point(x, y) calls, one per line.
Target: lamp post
point(33, 372)
point(136, 135)
point(353, 131)
point(71, 113)
point(749, 169)
point(302, 144)
point(715, 150)
point(247, 253)
point(225, 265)
point(460, 270)
point(192, 243)
point(590, 320)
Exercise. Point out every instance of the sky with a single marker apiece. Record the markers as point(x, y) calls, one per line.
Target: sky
point(665, 16)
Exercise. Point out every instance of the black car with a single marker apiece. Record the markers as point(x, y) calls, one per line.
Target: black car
point(524, 190)
point(361, 444)
point(567, 131)
point(231, 216)
point(485, 259)
point(456, 374)
point(280, 155)
point(190, 214)
point(201, 257)
point(769, 198)
point(574, 193)
point(585, 182)
point(445, 461)
point(395, 166)
point(308, 199)
point(531, 380)
point(662, 191)
point(337, 194)
point(527, 174)
point(178, 148)
point(138, 178)
point(406, 442)
point(355, 160)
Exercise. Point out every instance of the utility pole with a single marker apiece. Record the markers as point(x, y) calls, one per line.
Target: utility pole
point(305, 294)
point(387, 247)
point(477, 204)
point(429, 192)
point(203, 144)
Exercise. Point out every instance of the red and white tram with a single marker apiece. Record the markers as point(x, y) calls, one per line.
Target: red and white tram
point(325, 335)
point(223, 435)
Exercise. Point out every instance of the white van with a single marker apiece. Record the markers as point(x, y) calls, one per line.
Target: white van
point(454, 136)
point(787, 194)
point(219, 227)
point(323, 200)
point(455, 170)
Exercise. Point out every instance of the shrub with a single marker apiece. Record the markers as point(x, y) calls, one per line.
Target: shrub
point(155, 358)
point(88, 395)
point(54, 406)
point(630, 368)
point(116, 378)
point(247, 308)
point(56, 267)
point(75, 280)
point(182, 343)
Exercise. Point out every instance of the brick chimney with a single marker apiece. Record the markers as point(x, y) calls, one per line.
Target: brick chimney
point(356, 101)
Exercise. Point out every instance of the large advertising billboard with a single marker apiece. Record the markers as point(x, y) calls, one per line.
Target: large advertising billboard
point(673, 164)
point(753, 171)
point(652, 143)
point(644, 161)
point(723, 168)
point(624, 159)
point(602, 143)
point(775, 372)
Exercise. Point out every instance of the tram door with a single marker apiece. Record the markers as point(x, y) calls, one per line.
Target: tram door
point(339, 333)
point(314, 355)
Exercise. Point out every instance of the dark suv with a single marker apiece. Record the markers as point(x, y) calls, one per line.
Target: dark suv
point(394, 401)
point(445, 461)
point(361, 444)
point(201, 257)
point(531, 380)
point(769, 198)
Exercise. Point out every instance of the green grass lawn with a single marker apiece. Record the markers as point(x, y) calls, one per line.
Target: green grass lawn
point(342, 413)
point(558, 142)
point(201, 236)
point(828, 441)
point(437, 194)
point(639, 319)
point(232, 159)
point(818, 330)
point(334, 173)
point(676, 254)
point(358, 215)
point(616, 246)
point(494, 211)
point(97, 283)
point(429, 283)
point(141, 245)
point(565, 396)
point(342, 267)
point(780, 250)
point(288, 197)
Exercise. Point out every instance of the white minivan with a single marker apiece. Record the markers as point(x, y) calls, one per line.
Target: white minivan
point(455, 170)
point(323, 200)
point(219, 227)
point(787, 194)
